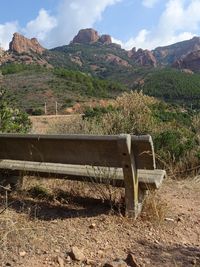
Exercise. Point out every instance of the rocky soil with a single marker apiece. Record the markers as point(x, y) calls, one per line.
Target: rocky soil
point(74, 224)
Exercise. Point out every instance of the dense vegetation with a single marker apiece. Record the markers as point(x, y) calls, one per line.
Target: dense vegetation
point(31, 86)
point(88, 85)
point(12, 120)
point(175, 132)
point(174, 86)
point(94, 59)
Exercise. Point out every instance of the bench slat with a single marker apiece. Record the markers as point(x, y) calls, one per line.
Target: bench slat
point(76, 149)
point(148, 179)
point(66, 149)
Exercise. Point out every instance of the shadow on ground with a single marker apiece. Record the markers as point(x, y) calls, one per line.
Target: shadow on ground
point(74, 206)
point(176, 254)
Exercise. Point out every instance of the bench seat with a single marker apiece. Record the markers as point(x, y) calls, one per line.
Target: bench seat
point(148, 179)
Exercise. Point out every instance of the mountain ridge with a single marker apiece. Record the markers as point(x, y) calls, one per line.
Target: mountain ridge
point(96, 53)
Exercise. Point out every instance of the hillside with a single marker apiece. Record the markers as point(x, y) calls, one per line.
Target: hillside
point(173, 86)
point(29, 87)
point(92, 67)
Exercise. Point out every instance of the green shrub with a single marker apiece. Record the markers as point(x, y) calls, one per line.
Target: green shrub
point(12, 120)
point(176, 133)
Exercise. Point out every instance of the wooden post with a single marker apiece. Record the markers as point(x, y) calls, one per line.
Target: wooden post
point(133, 207)
point(56, 108)
point(45, 108)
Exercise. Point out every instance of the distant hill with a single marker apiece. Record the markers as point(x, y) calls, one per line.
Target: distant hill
point(96, 54)
point(28, 87)
point(91, 66)
point(173, 86)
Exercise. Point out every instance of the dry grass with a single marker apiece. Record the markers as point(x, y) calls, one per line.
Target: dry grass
point(155, 209)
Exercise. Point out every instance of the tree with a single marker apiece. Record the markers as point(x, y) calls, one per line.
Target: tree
point(12, 120)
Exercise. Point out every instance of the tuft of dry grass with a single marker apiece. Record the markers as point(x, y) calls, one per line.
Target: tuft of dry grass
point(155, 209)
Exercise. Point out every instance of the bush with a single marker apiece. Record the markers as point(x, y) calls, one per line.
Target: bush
point(12, 120)
point(175, 132)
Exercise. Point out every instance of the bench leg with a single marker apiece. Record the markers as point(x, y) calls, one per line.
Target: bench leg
point(133, 207)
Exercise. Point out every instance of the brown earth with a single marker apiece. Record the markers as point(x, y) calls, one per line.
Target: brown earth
point(35, 232)
point(40, 225)
point(42, 124)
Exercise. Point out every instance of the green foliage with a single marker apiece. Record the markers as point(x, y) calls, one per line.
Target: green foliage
point(174, 86)
point(163, 112)
point(174, 143)
point(12, 120)
point(40, 192)
point(88, 85)
point(97, 112)
point(12, 68)
point(175, 132)
point(37, 112)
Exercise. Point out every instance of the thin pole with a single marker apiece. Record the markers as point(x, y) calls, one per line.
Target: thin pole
point(56, 108)
point(45, 108)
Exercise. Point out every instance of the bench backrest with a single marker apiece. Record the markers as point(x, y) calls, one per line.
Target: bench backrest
point(78, 149)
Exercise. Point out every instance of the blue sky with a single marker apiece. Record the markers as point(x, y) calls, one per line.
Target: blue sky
point(132, 23)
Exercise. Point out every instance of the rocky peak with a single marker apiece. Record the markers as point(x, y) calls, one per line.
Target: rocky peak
point(89, 36)
point(86, 36)
point(131, 52)
point(105, 39)
point(21, 44)
point(191, 61)
point(143, 57)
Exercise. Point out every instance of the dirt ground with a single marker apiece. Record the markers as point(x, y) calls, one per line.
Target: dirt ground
point(41, 224)
point(42, 124)
point(39, 228)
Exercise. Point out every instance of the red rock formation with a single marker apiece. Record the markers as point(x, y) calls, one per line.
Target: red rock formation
point(144, 58)
point(131, 52)
point(170, 54)
point(21, 44)
point(105, 39)
point(89, 36)
point(115, 60)
point(190, 62)
point(86, 36)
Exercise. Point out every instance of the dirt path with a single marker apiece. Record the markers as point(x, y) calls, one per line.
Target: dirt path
point(37, 232)
point(42, 124)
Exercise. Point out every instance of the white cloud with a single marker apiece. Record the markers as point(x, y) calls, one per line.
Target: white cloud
point(150, 3)
point(6, 32)
point(73, 15)
point(41, 26)
point(51, 31)
point(179, 21)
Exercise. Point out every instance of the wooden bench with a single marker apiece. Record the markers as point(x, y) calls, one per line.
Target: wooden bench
point(80, 157)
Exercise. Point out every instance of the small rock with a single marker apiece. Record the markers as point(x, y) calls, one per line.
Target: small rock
point(194, 261)
point(60, 261)
point(179, 219)
point(131, 260)
point(169, 219)
point(77, 254)
point(8, 264)
point(100, 253)
point(90, 262)
point(22, 253)
point(117, 263)
point(68, 259)
point(92, 226)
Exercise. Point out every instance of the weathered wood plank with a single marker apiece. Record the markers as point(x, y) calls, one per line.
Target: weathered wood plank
point(66, 149)
point(150, 179)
